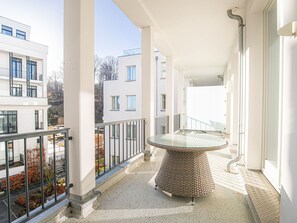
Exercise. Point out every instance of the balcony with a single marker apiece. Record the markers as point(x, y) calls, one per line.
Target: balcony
point(134, 199)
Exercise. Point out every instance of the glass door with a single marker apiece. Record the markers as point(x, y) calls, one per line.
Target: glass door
point(272, 116)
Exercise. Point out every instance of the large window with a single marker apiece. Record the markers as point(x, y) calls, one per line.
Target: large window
point(17, 67)
point(38, 119)
point(32, 91)
point(131, 131)
point(131, 73)
point(8, 122)
point(20, 34)
point(17, 90)
point(32, 66)
point(6, 30)
point(163, 70)
point(115, 103)
point(115, 131)
point(131, 103)
point(163, 101)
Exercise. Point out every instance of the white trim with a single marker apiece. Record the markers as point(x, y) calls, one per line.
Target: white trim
point(267, 168)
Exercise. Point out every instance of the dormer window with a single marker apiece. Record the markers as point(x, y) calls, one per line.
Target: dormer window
point(6, 30)
point(20, 34)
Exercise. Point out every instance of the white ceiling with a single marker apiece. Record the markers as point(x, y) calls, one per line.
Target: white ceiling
point(198, 33)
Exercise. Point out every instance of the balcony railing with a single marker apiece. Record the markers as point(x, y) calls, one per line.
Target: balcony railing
point(195, 124)
point(116, 142)
point(4, 72)
point(45, 179)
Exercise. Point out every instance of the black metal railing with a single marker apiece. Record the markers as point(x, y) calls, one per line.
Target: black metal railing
point(40, 185)
point(116, 142)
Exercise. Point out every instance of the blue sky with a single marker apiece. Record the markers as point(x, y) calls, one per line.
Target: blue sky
point(113, 30)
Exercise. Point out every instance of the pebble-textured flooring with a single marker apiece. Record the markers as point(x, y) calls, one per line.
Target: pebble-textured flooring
point(134, 200)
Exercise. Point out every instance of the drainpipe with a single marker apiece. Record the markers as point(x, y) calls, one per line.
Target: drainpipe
point(156, 97)
point(240, 77)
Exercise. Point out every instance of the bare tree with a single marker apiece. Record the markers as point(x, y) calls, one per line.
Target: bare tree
point(109, 68)
point(104, 69)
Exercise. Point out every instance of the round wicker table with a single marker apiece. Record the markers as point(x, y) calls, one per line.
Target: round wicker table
point(185, 169)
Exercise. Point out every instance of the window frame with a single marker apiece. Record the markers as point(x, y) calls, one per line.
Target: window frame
point(30, 89)
point(131, 132)
point(163, 102)
point(128, 108)
point(163, 70)
point(17, 67)
point(18, 88)
point(115, 131)
point(38, 122)
point(115, 100)
point(6, 29)
point(21, 34)
point(131, 76)
point(32, 64)
point(6, 116)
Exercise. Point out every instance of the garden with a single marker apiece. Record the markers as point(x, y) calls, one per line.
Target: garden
point(17, 184)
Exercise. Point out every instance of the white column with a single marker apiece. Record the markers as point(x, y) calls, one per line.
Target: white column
point(148, 100)
point(181, 97)
point(79, 93)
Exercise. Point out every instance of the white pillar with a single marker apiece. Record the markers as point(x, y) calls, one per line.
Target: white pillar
point(79, 96)
point(148, 100)
point(170, 92)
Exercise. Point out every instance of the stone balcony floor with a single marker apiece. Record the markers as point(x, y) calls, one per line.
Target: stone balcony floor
point(133, 199)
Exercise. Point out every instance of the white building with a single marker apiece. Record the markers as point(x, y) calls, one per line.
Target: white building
point(23, 89)
point(122, 97)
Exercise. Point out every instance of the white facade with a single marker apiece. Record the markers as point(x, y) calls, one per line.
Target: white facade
point(123, 88)
point(23, 89)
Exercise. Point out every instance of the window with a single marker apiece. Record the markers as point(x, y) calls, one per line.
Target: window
point(32, 91)
point(115, 131)
point(16, 67)
point(20, 34)
point(163, 129)
point(163, 101)
point(16, 90)
point(115, 103)
point(131, 131)
point(8, 122)
point(32, 72)
point(131, 103)
point(6, 30)
point(163, 70)
point(131, 73)
point(38, 120)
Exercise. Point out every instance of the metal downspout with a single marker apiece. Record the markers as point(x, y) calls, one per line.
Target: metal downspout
point(240, 78)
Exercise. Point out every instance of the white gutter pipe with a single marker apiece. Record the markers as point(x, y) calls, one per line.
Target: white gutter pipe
point(240, 77)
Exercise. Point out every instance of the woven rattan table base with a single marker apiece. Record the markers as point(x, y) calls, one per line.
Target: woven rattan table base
point(185, 174)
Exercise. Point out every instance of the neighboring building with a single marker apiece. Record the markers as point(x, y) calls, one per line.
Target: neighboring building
point(122, 97)
point(23, 89)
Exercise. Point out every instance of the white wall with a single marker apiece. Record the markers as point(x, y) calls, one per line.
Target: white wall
point(25, 106)
point(289, 134)
point(207, 104)
point(122, 88)
point(254, 72)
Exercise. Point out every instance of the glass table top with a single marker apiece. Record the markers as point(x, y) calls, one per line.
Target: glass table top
point(188, 142)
